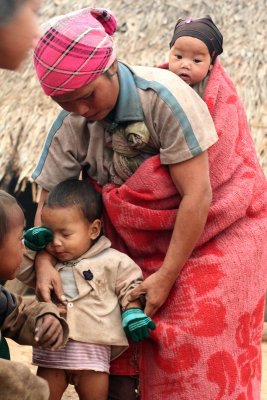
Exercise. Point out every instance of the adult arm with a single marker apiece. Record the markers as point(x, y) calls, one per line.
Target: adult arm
point(192, 181)
point(43, 196)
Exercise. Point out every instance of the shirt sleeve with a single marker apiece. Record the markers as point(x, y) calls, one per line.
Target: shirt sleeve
point(177, 118)
point(185, 127)
point(26, 272)
point(128, 277)
point(7, 304)
point(63, 152)
point(19, 322)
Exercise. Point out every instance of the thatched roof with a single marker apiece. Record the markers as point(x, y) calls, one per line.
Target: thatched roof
point(145, 29)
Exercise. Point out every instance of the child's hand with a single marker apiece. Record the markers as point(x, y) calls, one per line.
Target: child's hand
point(49, 332)
point(62, 309)
point(137, 324)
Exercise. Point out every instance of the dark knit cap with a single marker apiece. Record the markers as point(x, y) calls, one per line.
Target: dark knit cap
point(203, 29)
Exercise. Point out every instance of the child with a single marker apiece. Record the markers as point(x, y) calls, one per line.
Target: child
point(194, 47)
point(25, 320)
point(18, 31)
point(96, 281)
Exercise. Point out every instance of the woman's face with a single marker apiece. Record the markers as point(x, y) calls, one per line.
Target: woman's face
point(95, 100)
point(19, 35)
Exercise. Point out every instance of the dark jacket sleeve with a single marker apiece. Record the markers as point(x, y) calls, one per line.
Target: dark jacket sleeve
point(7, 304)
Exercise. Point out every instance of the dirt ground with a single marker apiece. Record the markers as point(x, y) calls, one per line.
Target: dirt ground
point(23, 354)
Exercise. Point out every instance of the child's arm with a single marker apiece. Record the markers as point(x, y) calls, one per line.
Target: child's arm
point(135, 322)
point(40, 266)
point(48, 283)
point(27, 321)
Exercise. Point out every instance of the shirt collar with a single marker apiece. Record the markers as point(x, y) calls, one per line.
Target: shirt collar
point(128, 107)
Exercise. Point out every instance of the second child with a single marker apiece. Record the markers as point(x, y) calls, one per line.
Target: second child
point(22, 319)
point(194, 47)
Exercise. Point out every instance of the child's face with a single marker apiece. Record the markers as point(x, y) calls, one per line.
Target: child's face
point(189, 58)
point(73, 234)
point(12, 248)
point(19, 35)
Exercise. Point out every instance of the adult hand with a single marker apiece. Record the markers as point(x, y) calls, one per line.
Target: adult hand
point(48, 283)
point(49, 332)
point(156, 289)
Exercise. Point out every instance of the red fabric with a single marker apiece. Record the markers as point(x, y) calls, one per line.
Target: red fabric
point(207, 344)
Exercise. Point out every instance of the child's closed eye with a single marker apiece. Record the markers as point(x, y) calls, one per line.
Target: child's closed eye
point(66, 235)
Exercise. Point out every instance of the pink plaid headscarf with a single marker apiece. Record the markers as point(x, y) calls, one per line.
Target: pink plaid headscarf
point(74, 50)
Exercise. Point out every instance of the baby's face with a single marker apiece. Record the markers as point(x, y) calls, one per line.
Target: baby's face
point(189, 58)
point(12, 248)
point(73, 234)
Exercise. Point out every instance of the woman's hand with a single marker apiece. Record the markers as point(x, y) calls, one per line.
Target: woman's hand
point(156, 289)
point(48, 283)
point(49, 332)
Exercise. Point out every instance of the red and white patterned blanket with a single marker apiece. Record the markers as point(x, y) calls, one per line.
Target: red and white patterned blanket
point(207, 344)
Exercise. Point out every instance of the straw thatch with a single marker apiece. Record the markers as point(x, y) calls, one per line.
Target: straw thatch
point(145, 29)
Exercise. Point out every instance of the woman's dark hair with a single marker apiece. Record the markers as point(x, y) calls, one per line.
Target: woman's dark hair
point(74, 192)
point(8, 9)
point(6, 202)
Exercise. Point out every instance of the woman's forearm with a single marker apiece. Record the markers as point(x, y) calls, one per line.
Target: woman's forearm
point(37, 219)
point(190, 221)
point(192, 181)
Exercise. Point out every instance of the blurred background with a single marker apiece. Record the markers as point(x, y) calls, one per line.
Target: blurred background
point(145, 30)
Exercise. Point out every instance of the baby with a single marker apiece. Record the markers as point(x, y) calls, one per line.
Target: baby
point(194, 47)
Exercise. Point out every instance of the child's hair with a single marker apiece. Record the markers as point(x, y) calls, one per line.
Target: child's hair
point(203, 29)
point(6, 202)
point(74, 192)
point(8, 9)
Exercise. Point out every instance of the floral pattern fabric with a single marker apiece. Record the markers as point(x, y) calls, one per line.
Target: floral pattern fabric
point(207, 344)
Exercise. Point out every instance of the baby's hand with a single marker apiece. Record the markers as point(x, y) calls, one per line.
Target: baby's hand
point(49, 332)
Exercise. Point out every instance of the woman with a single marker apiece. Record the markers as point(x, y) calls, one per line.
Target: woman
point(144, 136)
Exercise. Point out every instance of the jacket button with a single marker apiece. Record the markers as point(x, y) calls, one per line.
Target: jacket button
point(70, 305)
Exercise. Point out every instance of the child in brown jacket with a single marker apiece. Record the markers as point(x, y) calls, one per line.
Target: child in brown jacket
point(97, 281)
